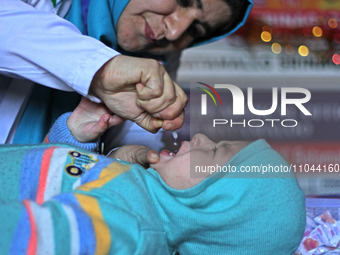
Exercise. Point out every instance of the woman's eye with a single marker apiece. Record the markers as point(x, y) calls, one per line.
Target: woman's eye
point(195, 31)
point(184, 3)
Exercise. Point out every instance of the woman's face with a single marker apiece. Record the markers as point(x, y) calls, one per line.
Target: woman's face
point(200, 151)
point(161, 26)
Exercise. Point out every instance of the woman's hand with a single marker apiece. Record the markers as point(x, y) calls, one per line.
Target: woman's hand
point(142, 91)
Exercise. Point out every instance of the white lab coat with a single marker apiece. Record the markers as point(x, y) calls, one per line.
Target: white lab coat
point(37, 45)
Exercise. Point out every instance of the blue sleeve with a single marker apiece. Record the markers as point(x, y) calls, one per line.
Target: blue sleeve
point(60, 133)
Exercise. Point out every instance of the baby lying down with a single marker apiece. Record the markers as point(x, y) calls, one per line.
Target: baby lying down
point(60, 199)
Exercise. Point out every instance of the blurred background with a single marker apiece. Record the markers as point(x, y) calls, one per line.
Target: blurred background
point(290, 41)
point(284, 43)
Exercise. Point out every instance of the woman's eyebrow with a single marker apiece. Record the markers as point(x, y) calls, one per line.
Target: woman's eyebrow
point(205, 24)
point(199, 4)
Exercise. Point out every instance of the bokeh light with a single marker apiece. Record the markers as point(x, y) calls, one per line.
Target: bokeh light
point(303, 51)
point(266, 36)
point(336, 59)
point(276, 48)
point(317, 31)
point(332, 23)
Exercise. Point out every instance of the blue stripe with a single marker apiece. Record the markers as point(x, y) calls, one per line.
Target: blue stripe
point(85, 227)
point(22, 235)
point(30, 173)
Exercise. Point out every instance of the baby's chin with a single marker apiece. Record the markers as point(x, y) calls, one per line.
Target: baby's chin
point(154, 166)
point(158, 166)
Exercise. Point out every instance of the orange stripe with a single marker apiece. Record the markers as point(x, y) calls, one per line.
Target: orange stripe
point(45, 164)
point(32, 245)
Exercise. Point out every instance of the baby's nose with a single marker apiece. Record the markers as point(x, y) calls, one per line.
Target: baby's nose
point(200, 139)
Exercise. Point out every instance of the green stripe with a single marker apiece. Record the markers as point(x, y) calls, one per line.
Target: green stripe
point(11, 159)
point(209, 95)
point(10, 215)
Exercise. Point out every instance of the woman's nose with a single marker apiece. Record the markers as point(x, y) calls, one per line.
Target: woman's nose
point(178, 22)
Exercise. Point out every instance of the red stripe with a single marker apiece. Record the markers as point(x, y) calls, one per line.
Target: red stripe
point(45, 164)
point(32, 245)
point(47, 139)
point(214, 90)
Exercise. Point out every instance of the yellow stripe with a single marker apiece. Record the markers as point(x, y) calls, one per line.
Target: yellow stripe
point(107, 174)
point(102, 232)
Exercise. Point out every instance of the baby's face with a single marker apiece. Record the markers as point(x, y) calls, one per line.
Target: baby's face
point(200, 151)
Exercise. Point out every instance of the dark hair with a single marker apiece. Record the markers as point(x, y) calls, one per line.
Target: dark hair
point(238, 9)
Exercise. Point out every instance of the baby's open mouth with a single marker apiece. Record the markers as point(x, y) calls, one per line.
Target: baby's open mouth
point(167, 153)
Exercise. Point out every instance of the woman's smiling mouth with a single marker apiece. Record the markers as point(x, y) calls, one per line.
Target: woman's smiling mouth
point(149, 34)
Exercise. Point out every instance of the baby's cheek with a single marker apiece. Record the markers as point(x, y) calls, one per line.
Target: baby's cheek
point(177, 178)
point(180, 179)
point(175, 172)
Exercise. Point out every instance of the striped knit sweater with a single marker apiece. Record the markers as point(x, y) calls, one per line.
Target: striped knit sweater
point(60, 199)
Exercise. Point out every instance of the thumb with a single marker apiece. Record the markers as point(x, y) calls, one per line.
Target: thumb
point(139, 154)
point(144, 156)
point(152, 157)
point(115, 120)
